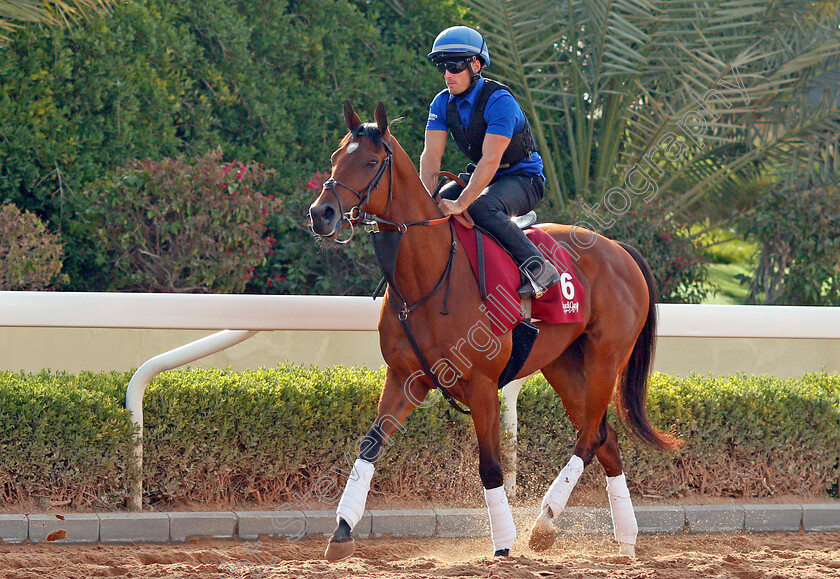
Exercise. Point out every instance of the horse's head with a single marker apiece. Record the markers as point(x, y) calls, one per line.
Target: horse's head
point(360, 167)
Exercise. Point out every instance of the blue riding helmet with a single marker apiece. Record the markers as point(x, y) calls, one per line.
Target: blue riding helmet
point(457, 42)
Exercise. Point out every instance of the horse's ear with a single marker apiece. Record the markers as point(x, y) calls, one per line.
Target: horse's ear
point(381, 119)
point(350, 116)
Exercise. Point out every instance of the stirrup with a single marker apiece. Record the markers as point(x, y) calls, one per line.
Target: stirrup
point(530, 290)
point(538, 283)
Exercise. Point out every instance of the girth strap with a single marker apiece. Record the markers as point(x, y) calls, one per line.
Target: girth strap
point(479, 248)
point(427, 369)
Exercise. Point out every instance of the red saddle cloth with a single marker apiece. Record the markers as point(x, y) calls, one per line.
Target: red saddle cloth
point(561, 303)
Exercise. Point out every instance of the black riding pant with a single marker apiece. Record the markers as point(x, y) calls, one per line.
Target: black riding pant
point(505, 197)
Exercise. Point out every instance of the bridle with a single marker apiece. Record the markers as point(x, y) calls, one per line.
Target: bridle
point(355, 214)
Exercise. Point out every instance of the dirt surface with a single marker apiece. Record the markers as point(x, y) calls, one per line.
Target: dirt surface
point(778, 555)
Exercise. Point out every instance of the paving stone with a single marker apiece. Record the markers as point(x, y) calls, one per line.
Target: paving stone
point(13, 529)
point(79, 528)
point(290, 525)
point(462, 522)
point(183, 526)
point(134, 528)
point(772, 518)
point(825, 517)
point(660, 519)
point(584, 521)
point(323, 523)
point(252, 525)
point(715, 518)
point(404, 523)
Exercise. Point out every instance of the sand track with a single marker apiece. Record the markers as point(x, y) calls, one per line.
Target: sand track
point(778, 555)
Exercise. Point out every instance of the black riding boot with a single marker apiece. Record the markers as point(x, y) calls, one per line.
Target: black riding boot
point(538, 274)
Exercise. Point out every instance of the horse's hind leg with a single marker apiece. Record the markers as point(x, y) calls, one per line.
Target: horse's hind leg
point(567, 377)
point(625, 527)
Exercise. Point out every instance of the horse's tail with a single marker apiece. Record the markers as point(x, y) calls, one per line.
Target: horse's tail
point(632, 390)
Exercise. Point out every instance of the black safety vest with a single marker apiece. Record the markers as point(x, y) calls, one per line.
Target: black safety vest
point(471, 138)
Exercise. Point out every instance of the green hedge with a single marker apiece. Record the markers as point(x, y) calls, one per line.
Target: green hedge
point(746, 436)
point(276, 435)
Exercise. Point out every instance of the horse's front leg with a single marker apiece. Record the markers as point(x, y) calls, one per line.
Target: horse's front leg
point(484, 407)
point(399, 397)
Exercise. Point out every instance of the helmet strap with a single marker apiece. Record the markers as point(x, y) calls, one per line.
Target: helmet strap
point(474, 76)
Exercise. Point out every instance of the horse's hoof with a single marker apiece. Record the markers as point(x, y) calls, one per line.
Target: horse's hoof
point(542, 533)
point(502, 553)
point(337, 551)
point(627, 550)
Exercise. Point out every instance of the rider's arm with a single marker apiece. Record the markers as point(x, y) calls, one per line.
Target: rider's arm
point(492, 149)
point(431, 157)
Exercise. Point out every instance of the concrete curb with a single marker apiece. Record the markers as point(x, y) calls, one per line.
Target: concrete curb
point(152, 527)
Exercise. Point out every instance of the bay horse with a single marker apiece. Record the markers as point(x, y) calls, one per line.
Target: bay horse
point(422, 320)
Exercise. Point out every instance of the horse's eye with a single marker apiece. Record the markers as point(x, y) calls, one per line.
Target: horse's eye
point(373, 162)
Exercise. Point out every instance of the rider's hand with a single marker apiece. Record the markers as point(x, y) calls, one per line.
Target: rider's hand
point(449, 207)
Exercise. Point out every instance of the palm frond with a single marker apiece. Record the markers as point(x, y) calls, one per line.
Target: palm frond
point(605, 81)
point(15, 13)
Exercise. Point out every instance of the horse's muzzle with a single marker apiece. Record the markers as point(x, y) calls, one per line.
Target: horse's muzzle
point(325, 219)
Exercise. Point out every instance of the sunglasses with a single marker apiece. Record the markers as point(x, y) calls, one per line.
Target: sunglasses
point(453, 66)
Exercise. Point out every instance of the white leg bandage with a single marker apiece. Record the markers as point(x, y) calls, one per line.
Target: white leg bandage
point(502, 529)
point(351, 507)
point(559, 491)
point(621, 507)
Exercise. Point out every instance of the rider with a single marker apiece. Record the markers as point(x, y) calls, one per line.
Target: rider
point(490, 128)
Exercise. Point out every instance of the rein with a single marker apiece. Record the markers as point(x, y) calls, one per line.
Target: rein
point(386, 256)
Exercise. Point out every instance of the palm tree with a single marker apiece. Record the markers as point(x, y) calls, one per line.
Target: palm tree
point(15, 13)
point(693, 99)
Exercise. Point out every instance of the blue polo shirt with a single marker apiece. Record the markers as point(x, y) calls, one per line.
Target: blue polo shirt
point(502, 114)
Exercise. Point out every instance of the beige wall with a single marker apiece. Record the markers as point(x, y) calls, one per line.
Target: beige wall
point(75, 350)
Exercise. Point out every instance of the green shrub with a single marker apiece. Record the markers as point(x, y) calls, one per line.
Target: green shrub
point(747, 436)
point(30, 256)
point(798, 229)
point(270, 434)
point(289, 434)
point(178, 226)
point(65, 439)
point(307, 264)
point(263, 81)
